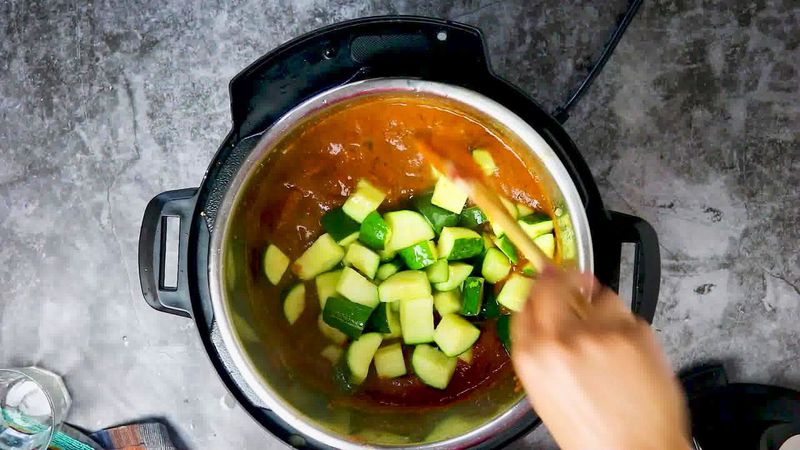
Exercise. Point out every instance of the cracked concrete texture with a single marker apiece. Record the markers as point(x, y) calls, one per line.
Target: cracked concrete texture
point(694, 125)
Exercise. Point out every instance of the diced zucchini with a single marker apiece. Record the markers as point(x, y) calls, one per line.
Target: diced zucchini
point(420, 255)
point(495, 266)
point(432, 366)
point(323, 255)
point(363, 201)
point(330, 332)
point(449, 196)
point(447, 302)
point(326, 286)
point(354, 287)
point(515, 292)
point(454, 335)
point(459, 243)
point(404, 285)
point(346, 242)
point(393, 317)
point(360, 354)
point(348, 317)
point(387, 255)
point(508, 249)
point(496, 229)
point(332, 353)
point(524, 210)
point(363, 259)
point(535, 225)
point(546, 242)
point(338, 224)
point(528, 270)
point(472, 296)
point(387, 269)
point(374, 231)
point(438, 272)
point(466, 356)
point(389, 361)
point(490, 308)
point(379, 320)
point(294, 303)
point(472, 218)
point(458, 273)
point(436, 216)
point(511, 207)
point(485, 161)
point(488, 242)
point(504, 332)
point(416, 320)
point(408, 228)
point(275, 264)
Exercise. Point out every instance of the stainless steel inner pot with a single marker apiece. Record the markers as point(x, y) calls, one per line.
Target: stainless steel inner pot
point(460, 425)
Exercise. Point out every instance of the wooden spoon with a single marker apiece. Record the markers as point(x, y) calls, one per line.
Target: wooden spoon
point(467, 176)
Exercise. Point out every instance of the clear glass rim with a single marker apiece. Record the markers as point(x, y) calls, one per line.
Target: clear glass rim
point(19, 371)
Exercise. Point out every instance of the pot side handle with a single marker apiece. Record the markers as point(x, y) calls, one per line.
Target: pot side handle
point(647, 261)
point(152, 251)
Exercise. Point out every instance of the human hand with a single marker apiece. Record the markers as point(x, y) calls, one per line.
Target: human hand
point(602, 382)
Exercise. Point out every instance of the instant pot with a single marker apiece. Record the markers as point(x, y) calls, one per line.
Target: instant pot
point(301, 79)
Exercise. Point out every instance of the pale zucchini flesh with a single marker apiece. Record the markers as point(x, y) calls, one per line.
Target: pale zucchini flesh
point(514, 293)
point(326, 286)
point(416, 320)
point(354, 287)
point(408, 284)
point(323, 255)
point(389, 361)
point(360, 354)
point(275, 264)
point(336, 336)
point(295, 303)
point(363, 201)
point(458, 273)
point(447, 195)
point(408, 228)
point(432, 366)
point(447, 302)
point(454, 335)
point(363, 259)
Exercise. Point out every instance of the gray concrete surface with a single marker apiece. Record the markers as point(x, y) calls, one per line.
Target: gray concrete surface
point(695, 126)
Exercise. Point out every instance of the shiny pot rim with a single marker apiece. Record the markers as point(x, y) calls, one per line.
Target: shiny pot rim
point(479, 102)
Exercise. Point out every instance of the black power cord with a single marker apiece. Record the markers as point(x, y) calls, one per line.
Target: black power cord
point(562, 112)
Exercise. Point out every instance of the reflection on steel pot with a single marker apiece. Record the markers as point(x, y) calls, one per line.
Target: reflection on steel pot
point(299, 84)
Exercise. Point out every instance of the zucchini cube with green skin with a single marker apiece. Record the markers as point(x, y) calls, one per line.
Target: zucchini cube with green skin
point(449, 196)
point(338, 224)
point(528, 270)
point(416, 320)
point(393, 318)
point(454, 335)
point(326, 286)
point(408, 228)
point(504, 244)
point(496, 266)
point(348, 240)
point(348, 317)
point(420, 255)
point(466, 356)
point(457, 243)
point(472, 218)
point(275, 264)
point(379, 320)
point(360, 354)
point(363, 201)
point(458, 272)
point(389, 361)
point(514, 293)
point(436, 216)
point(354, 287)
point(387, 255)
point(432, 366)
point(438, 272)
point(294, 303)
point(404, 285)
point(547, 243)
point(535, 225)
point(511, 207)
point(363, 259)
point(472, 296)
point(336, 336)
point(485, 161)
point(374, 231)
point(387, 269)
point(490, 308)
point(447, 302)
point(323, 255)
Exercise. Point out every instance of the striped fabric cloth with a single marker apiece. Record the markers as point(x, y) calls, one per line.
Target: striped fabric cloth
point(143, 436)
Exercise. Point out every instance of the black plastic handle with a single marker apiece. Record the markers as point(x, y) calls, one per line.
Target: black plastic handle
point(396, 46)
point(152, 246)
point(647, 262)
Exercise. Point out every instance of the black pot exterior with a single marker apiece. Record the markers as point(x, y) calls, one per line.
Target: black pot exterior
point(409, 47)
